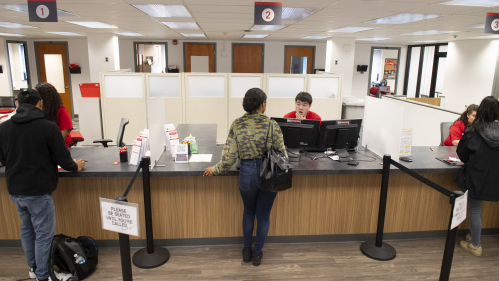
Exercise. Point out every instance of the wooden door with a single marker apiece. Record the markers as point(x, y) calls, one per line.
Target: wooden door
point(191, 49)
point(308, 52)
point(56, 71)
point(247, 58)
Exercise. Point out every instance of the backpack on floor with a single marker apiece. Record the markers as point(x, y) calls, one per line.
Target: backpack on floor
point(76, 256)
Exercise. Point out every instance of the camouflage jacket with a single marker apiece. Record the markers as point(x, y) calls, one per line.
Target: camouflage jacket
point(246, 140)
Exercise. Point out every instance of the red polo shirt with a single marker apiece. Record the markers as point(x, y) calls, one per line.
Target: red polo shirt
point(456, 133)
point(310, 115)
point(64, 122)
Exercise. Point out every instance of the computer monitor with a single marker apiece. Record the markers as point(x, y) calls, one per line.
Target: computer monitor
point(7, 102)
point(121, 132)
point(298, 133)
point(340, 135)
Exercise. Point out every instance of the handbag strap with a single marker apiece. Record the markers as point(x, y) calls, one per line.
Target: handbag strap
point(271, 125)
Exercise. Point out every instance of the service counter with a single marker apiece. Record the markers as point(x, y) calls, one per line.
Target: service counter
point(329, 201)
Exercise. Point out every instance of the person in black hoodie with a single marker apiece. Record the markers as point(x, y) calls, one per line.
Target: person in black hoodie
point(479, 150)
point(31, 147)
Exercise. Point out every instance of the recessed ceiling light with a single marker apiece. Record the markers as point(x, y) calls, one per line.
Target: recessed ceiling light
point(350, 29)
point(92, 24)
point(163, 11)
point(193, 34)
point(480, 3)
point(9, 34)
point(255, 35)
point(486, 37)
point(373, 39)
point(181, 25)
point(404, 18)
point(14, 25)
point(23, 8)
point(289, 13)
point(315, 37)
point(268, 27)
point(67, 33)
point(128, 34)
point(429, 32)
point(481, 26)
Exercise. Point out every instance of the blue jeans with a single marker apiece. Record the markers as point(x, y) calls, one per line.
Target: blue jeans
point(257, 203)
point(37, 229)
point(475, 211)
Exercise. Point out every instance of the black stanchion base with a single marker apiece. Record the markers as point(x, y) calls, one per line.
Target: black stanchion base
point(383, 253)
point(142, 259)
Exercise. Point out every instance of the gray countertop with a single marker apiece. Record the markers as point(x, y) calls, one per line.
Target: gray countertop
point(100, 159)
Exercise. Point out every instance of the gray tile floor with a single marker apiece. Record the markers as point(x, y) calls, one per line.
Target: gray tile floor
point(416, 260)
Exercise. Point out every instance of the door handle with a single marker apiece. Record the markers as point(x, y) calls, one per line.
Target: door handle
point(66, 87)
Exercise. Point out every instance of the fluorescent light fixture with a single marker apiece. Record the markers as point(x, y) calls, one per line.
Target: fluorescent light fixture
point(350, 29)
point(67, 33)
point(481, 26)
point(486, 37)
point(404, 18)
point(14, 25)
point(373, 39)
point(268, 27)
point(255, 35)
point(92, 24)
point(9, 34)
point(128, 34)
point(193, 34)
point(181, 25)
point(429, 32)
point(425, 41)
point(163, 11)
point(479, 3)
point(315, 37)
point(289, 13)
point(23, 8)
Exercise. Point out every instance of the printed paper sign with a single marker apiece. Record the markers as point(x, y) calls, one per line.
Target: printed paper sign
point(405, 143)
point(459, 212)
point(268, 13)
point(42, 10)
point(492, 23)
point(118, 216)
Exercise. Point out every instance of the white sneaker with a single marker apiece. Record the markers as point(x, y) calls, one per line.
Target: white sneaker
point(32, 273)
point(63, 276)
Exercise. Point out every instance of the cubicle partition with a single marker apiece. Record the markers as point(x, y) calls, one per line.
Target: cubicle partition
point(171, 86)
point(239, 84)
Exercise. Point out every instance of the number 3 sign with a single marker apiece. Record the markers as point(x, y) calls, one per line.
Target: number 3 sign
point(492, 23)
point(268, 13)
point(42, 10)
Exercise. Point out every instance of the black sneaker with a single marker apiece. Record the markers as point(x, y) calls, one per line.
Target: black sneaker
point(257, 258)
point(247, 254)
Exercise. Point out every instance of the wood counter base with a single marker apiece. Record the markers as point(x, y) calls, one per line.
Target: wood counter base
point(197, 207)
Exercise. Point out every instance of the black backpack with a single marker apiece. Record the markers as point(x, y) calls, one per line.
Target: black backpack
point(76, 256)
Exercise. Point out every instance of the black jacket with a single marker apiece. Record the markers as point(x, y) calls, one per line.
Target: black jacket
point(31, 147)
point(480, 153)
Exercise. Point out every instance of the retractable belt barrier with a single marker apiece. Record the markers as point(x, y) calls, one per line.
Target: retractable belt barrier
point(385, 252)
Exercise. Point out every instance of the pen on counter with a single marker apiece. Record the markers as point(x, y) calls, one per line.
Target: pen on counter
point(431, 149)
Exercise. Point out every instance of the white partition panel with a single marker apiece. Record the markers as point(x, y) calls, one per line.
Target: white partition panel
point(281, 91)
point(156, 122)
point(382, 126)
point(89, 118)
point(169, 85)
point(206, 101)
point(123, 95)
point(239, 84)
point(327, 95)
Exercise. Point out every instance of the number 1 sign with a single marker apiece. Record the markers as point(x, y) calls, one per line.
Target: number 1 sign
point(492, 23)
point(42, 10)
point(268, 13)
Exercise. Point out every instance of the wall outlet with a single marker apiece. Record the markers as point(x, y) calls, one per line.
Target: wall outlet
point(336, 62)
point(107, 59)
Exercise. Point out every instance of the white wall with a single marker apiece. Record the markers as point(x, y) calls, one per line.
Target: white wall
point(343, 51)
point(469, 72)
point(100, 47)
point(273, 60)
point(5, 90)
point(362, 56)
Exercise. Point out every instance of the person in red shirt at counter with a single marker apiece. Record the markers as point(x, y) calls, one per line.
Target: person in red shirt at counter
point(56, 112)
point(464, 121)
point(303, 103)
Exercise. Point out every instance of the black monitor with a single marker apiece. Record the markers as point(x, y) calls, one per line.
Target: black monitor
point(121, 132)
point(340, 135)
point(7, 102)
point(298, 133)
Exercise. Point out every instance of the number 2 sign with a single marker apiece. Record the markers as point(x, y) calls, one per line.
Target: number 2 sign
point(268, 13)
point(492, 23)
point(42, 10)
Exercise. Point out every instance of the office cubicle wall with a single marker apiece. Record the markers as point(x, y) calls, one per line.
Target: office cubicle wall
point(281, 91)
point(326, 93)
point(206, 101)
point(239, 84)
point(123, 96)
point(169, 85)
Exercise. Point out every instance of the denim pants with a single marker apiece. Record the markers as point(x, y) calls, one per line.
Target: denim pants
point(37, 229)
point(257, 203)
point(475, 211)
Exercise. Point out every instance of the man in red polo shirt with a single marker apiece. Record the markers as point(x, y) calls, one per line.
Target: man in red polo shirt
point(303, 103)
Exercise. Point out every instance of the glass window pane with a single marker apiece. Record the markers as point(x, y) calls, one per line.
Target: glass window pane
point(429, 53)
point(376, 67)
point(55, 71)
point(413, 72)
point(298, 65)
point(442, 48)
point(440, 75)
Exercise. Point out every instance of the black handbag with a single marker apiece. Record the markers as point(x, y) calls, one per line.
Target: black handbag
point(276, 173)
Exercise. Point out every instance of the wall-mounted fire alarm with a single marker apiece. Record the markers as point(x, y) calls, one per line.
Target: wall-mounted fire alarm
point(174, 42)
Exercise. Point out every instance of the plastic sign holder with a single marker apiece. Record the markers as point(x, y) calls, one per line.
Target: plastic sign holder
point(42, 10)
point(492, 23)
point(268, 13)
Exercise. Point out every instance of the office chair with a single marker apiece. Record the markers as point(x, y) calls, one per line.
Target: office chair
point(119, 140)
point(444, 131)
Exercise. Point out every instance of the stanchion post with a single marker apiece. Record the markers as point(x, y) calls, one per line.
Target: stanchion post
point(450, 242)
point(126, 264)
point(150, 257)
point(379, 250)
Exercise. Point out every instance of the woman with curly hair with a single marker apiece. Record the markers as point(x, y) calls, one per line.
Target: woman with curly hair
point(56, 112)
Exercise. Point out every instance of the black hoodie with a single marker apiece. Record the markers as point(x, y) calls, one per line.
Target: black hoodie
point(480, 153)
point(31, 147)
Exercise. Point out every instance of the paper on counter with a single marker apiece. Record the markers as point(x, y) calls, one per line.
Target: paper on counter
point(200, 158)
